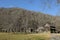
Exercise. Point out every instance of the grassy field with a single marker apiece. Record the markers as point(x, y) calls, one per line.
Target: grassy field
point(19, 36)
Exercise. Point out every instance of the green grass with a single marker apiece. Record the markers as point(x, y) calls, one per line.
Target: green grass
point(19, 36)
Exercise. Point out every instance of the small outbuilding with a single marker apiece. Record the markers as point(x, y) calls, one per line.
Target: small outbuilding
point(50, 27)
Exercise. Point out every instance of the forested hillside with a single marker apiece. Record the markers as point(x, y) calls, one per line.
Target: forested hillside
point(18, 20)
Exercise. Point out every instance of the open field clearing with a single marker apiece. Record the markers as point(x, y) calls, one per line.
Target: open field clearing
point(19, 36)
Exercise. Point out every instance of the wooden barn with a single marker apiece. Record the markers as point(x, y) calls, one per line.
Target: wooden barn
point(50, 27)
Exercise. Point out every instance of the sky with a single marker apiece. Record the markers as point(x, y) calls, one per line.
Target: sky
point(51, 7)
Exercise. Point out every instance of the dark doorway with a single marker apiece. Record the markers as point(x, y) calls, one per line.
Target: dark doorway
point(52, 29)
point(31, 30)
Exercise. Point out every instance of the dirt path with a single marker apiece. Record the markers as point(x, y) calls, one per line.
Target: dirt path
point(55, 37)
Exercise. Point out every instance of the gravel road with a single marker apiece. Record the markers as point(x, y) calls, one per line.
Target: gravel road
point(55, 37)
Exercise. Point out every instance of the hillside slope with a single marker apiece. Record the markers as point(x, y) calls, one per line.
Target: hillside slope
point(17, 19)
